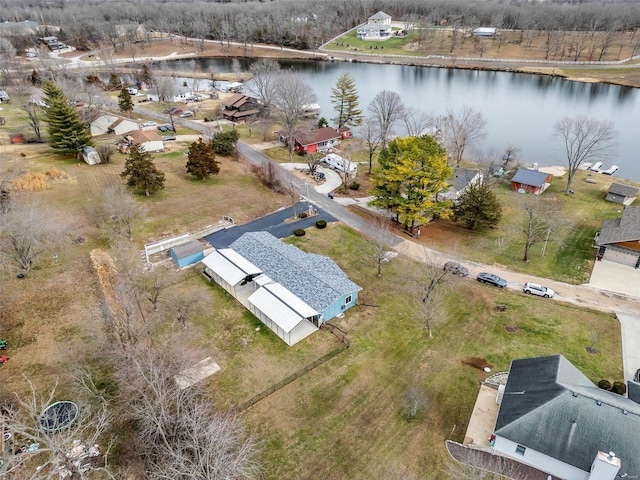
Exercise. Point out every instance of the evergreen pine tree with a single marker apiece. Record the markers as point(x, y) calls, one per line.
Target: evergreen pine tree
point(141, 173)
point(478, 207)
point(67, 133)
point(345, 99)
point(124, 101)
point(224, 143)
point(202, 160)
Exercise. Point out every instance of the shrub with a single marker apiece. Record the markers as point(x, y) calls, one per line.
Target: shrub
point(354, 185)
point(341, 190)
point(321, 223)
point(619, 387)
point(604, 384)
point(299, 232)
point(303, 215)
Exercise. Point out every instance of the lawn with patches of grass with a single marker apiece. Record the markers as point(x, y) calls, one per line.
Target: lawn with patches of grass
point(349, 411)
point(391, 46)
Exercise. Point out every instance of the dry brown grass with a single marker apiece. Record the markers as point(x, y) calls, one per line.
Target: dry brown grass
point(31, 182)
point(56, 174)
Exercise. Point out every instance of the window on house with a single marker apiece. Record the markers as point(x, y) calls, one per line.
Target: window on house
point(520, 449)
point(348, 299)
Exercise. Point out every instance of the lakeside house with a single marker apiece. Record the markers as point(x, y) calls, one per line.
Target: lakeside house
point(619, 238)
point(378, 27)
point(531, 181)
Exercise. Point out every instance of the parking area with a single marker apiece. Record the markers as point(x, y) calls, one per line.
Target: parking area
point(615, 277)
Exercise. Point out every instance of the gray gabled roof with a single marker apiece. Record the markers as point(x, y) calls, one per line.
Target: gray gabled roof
point(379, 16)
point(552, 408)
point(623, 229)
point(463, 178)
point(186, 249)
point(534, 178)
point(622, 190)
point(316, 279)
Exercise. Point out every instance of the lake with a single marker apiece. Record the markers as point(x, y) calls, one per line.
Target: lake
point(520, 109)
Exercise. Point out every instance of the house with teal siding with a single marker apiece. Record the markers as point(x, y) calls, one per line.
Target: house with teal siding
point(291, 291)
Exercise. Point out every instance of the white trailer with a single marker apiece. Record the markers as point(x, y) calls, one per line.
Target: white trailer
point(341, 164)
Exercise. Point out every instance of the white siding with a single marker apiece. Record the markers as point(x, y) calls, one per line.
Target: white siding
point(539, 460)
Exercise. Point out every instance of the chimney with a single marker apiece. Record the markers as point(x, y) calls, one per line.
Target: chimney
point(633, 391)
point(535, 167)
point(605, 466)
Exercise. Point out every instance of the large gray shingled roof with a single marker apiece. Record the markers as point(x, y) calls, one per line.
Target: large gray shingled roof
point(316, 279)
point(623, 229)
point(623, 190)
point(551, 407)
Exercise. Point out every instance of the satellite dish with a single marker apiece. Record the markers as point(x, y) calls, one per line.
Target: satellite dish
point(487, 369)
point(521, 190)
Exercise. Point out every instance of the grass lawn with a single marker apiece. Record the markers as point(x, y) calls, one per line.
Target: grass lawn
point(349, 411)
point(351, 42)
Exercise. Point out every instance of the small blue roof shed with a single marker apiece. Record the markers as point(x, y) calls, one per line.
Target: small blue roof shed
point(187, 253)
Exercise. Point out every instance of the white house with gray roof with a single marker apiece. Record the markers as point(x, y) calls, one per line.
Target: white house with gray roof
point(292, 292)
point(553, 418)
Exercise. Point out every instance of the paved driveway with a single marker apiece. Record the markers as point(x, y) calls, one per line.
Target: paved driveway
point(273, 223)
point(616, 278)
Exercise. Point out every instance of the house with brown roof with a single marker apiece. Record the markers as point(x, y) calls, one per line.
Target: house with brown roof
point(149, 140)
point(619, 193)
point(240, 107)
point(313, 141)
point(619, 238)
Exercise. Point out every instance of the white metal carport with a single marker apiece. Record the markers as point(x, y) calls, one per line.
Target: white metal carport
point(283, 312)
point(228, 268)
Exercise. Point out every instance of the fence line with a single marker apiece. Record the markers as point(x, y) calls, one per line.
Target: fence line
point(274, 388)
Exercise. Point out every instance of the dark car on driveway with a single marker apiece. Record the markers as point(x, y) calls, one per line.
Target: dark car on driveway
point(491, 279)
point(456, 269)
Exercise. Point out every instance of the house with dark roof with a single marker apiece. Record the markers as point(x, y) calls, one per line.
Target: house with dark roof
point(240, 107)
point(553, 418)
point(531, 181)
point(292, 292)
point(464, 177)
point(619, 193)
point(619, 238)
point(312, 141)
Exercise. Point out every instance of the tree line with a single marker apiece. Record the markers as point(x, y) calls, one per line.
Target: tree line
point(298, 23)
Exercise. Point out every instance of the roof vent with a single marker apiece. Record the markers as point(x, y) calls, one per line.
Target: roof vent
point(598, 402)
point(575, 394)
point(624, 412)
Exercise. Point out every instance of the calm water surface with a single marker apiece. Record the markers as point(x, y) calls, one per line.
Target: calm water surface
point(520, 109)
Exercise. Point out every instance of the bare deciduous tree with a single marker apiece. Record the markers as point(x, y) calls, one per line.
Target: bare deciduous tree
point(543, 217)
point(416, 122)
point(461, 129)
point(386, 109)
point(265, 78)
point(372, 135)
point(429, 294)
point(74, 451)
point(33, 116)
point(585, 140)
point(381, 238)
point(27, 230)
point(121, 211)
point(292, 95)
point(178, 432)
point(106, 152)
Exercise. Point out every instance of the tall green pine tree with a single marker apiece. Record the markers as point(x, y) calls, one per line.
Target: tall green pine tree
point(202, 160)
point(124, 101)
point(141, 173)
point(478, 207)
point(67, 133)
point(345, 99)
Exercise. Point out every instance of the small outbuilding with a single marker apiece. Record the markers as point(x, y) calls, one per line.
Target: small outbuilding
point(90, 155)
point(619, 193)
point(531, 181)
point(187, 253)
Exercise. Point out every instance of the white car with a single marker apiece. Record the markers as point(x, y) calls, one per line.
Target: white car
point(187, 113)
point(149, 124)
point(537, 289)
